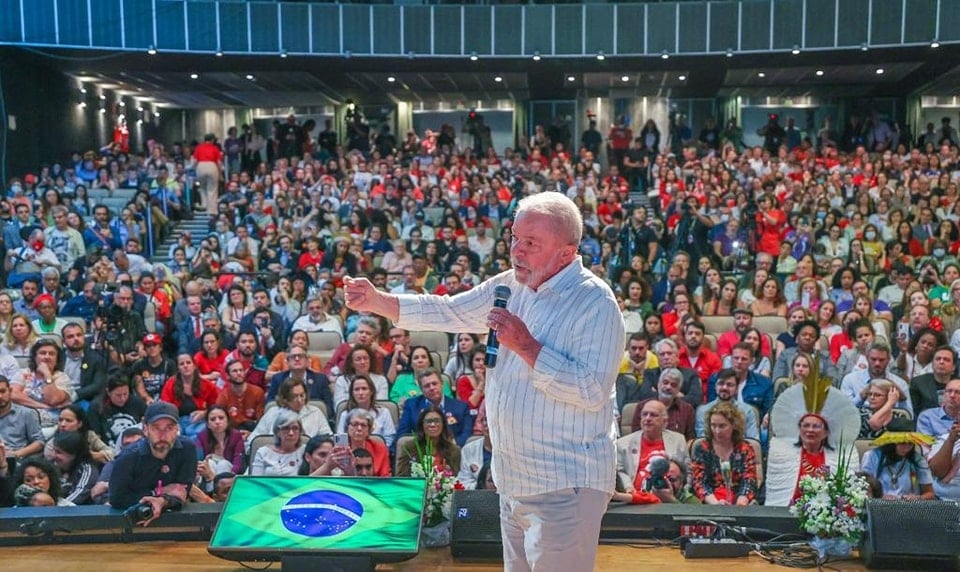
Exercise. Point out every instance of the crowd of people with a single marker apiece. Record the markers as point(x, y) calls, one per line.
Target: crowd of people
point(847, 243)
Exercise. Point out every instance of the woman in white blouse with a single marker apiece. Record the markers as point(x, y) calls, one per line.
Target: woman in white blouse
point(283, 458)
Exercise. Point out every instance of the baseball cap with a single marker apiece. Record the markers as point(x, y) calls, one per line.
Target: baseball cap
point(152, 339)
point(742, 311)
point(161, 410)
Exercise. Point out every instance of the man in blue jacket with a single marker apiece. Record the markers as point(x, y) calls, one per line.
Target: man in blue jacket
point(459, 419)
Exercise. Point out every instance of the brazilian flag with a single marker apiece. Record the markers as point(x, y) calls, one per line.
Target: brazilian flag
point(326, 513)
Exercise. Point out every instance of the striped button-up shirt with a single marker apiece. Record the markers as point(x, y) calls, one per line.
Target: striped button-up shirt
point(552, 425)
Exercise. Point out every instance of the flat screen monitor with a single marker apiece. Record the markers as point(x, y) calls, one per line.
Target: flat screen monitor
point(271, 518)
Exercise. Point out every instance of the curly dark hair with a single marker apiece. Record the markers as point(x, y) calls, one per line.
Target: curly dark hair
point(41, 463)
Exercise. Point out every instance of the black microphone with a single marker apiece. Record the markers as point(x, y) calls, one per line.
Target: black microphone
point(658, 468)
point(500, 296)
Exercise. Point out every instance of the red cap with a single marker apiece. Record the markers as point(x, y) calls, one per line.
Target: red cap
point(30, 179)
point(152, 339)
point(44, 298)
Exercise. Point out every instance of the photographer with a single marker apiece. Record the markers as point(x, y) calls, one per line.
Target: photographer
point(118, 330)
point(154, 475)
point(692, 232)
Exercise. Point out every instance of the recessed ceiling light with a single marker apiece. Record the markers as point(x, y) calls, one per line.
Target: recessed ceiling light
point(497, 78)
point(819, 73)
point(250, 76)
point(879, 71)
point(665, 55)
point(156, 114)
point(682, 77)
point(536, 55)
point(864, 47)
point(624, 78)
point(601, 56)
point(474, 57)
point(571, 78)
point(122, 103)
point(140, 108)
point(152, 51)
point(83, 104)
point(283, 54)
point(194, 76)
point(102, 96)
point(761, 74)
point(796, 50)
point(219, 54)
point(935, 43)
point(391, 79)
point(729, 52)
point(83, 90)
point(103, 110)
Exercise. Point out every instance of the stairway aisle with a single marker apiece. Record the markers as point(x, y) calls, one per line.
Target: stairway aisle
point(197, 227)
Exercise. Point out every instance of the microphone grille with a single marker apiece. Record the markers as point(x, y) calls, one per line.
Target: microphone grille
point(501, 292)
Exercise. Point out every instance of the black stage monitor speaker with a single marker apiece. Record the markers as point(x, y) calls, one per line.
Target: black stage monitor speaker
point(475, 533)
point(912, 535)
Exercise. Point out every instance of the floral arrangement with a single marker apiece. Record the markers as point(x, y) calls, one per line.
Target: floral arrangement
point(832, 504)
point(440, 486)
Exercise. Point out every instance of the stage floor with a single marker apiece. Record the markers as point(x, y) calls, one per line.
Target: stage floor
point(166, 556)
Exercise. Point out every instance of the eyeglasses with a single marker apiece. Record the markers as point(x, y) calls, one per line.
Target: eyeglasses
point(433, 421)
point(290, 429)
point(359, 424)
point(297, 356)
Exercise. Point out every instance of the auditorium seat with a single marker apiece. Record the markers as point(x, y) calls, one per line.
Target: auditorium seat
point(774, 325)
point(717, 325)
point(626, 418)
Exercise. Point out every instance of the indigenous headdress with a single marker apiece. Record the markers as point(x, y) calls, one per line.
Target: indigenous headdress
point(815, 395)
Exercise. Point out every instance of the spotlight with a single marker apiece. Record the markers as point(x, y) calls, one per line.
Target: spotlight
point(536, 55)
point(156, 114)
point(665, 55)
point(82, 104)
point(103, 110)
point(347, 54)
point(122, 103)
point(796, 50)
point(819, 73)
point(497, 78)
point(864, 47)
point(391, 79)
point(879, 71)
point(761, 74)
point(474, 57)
point(219, 54)
point(935, 43)
point(283, 54)
point(571, 78)
point(601, 56)
point(729, 52)
point(682, 77)
point(102, 97)
point(250, 77)
point(83, 90)
point(152, 50)
point(624, 78)
point(140, 108)
point(194, 76)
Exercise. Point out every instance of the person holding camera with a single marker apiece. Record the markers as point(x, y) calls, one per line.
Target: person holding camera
point(692, 232)
point(636, 451)
point(119, 330)
point(154, 475)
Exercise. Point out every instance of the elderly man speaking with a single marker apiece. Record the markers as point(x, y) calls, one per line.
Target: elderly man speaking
point(550, 397)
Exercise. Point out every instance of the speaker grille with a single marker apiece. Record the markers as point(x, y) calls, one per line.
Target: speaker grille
point(929, 528)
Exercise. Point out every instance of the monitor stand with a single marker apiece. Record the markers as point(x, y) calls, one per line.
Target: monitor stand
point(320, 563)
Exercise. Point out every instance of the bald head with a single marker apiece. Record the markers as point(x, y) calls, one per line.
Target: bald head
point(653, 419)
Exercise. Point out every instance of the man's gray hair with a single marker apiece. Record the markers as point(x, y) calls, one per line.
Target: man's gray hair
point(666, 342)
point(50, 272)
point(672, 373)
point(371, 323)
point(564, 212)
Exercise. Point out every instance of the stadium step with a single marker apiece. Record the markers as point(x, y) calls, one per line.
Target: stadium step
point(198, 227)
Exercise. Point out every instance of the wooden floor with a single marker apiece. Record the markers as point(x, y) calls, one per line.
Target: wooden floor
point(166, 556)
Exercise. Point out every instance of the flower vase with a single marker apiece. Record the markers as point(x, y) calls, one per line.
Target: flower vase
point(436, 536)
point(831, 547)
